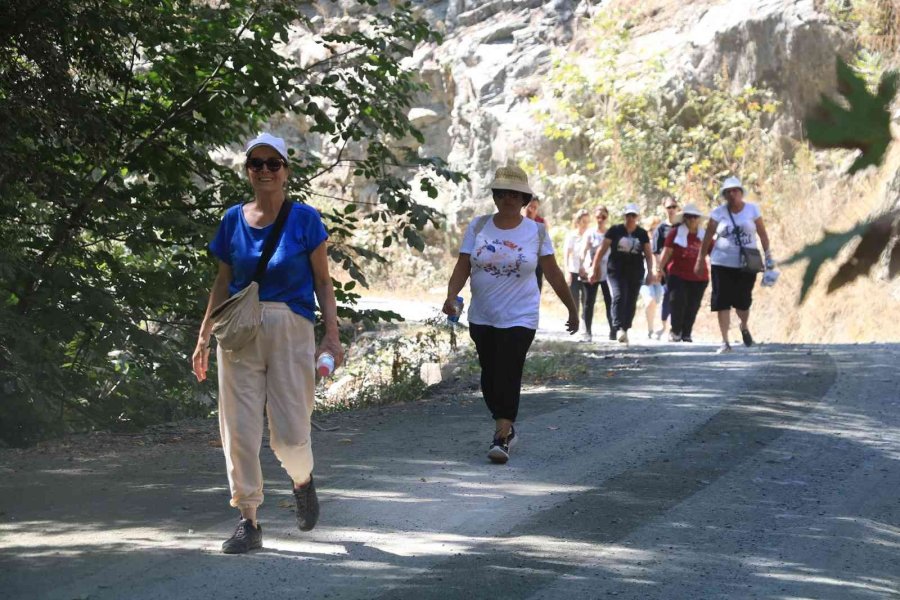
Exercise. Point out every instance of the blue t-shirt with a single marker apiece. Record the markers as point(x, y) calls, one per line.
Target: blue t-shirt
point(289, 276)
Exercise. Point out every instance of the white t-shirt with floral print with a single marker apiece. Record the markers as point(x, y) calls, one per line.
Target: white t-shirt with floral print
point(504, 287)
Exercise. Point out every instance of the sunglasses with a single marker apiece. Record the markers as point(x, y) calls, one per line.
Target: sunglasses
point(673, 207)
point(601, 216)
point(273, 164)
point(691, 216)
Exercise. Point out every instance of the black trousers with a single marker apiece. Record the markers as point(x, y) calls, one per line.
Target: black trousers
point(501, 354)
point(587, 304)
point(577, 288)
point(667, 300)
point(685, 297)
point(625, 288)
point(607, 302)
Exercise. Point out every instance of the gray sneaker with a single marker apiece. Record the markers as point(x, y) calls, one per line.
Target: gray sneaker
point(245, 538)
point(307, 505)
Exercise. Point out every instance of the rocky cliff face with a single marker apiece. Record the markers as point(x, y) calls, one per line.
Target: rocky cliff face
point(490, 66)
point(487, 73)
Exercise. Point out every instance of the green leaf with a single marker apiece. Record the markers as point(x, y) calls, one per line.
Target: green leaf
point(875, 238)
point(864, 125)
point(821, 251)
point(876, 235)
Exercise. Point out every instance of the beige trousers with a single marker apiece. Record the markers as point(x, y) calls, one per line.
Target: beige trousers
point(275, 374)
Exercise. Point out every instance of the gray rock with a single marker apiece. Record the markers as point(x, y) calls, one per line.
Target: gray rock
point(478, 114)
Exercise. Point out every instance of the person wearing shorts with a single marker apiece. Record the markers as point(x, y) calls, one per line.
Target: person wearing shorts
point(733, 225)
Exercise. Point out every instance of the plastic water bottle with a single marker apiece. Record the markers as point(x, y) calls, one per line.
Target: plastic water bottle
point(459, 308)
point(770, 277)
point(325, 364)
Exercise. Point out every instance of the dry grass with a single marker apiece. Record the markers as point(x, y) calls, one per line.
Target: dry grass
point(866, 310)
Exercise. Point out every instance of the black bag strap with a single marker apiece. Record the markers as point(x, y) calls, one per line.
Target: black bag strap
point(272, 241)
point(737, 230)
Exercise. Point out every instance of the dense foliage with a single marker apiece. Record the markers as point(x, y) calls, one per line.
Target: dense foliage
point(108, 192)
point(626, 134)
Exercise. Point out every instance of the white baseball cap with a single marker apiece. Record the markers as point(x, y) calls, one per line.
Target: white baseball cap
point(631, 209)
point(267, 139)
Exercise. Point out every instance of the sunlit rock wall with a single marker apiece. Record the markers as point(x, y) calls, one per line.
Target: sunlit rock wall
point(491, 64)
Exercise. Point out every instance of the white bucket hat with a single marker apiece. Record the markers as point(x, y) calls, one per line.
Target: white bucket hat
point(691, 209)
point(631, 209)
point(730, 184)
point(267, 139)
point(511, 178)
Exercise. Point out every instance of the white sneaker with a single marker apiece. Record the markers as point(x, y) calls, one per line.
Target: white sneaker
point(724, 348)
point(586, 337)
point(623, 336)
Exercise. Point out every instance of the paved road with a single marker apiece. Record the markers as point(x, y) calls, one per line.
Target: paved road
point(669, 473)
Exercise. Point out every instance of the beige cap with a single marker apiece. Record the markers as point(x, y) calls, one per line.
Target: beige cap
point(691, 209)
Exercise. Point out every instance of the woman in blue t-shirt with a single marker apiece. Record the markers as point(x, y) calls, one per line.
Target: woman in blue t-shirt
point(274, 374)
point(629, 246)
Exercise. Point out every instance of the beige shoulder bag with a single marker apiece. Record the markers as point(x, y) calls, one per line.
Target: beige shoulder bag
point(237, 319)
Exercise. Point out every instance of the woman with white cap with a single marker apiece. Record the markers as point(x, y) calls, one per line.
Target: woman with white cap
point(273, 373)
point(732, 229)
point(500, 252)
point(681, 248)
point(629, 247)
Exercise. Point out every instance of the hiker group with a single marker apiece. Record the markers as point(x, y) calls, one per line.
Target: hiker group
point(273, 268)
point(665, 262)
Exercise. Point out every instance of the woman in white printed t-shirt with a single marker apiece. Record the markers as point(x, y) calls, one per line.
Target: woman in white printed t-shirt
point(732, 225)
point(501, 252)
point(594, 241)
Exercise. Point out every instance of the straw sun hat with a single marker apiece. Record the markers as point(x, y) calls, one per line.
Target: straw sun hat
point(512, 178)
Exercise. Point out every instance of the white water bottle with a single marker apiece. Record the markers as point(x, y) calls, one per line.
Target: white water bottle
point(325, 364)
